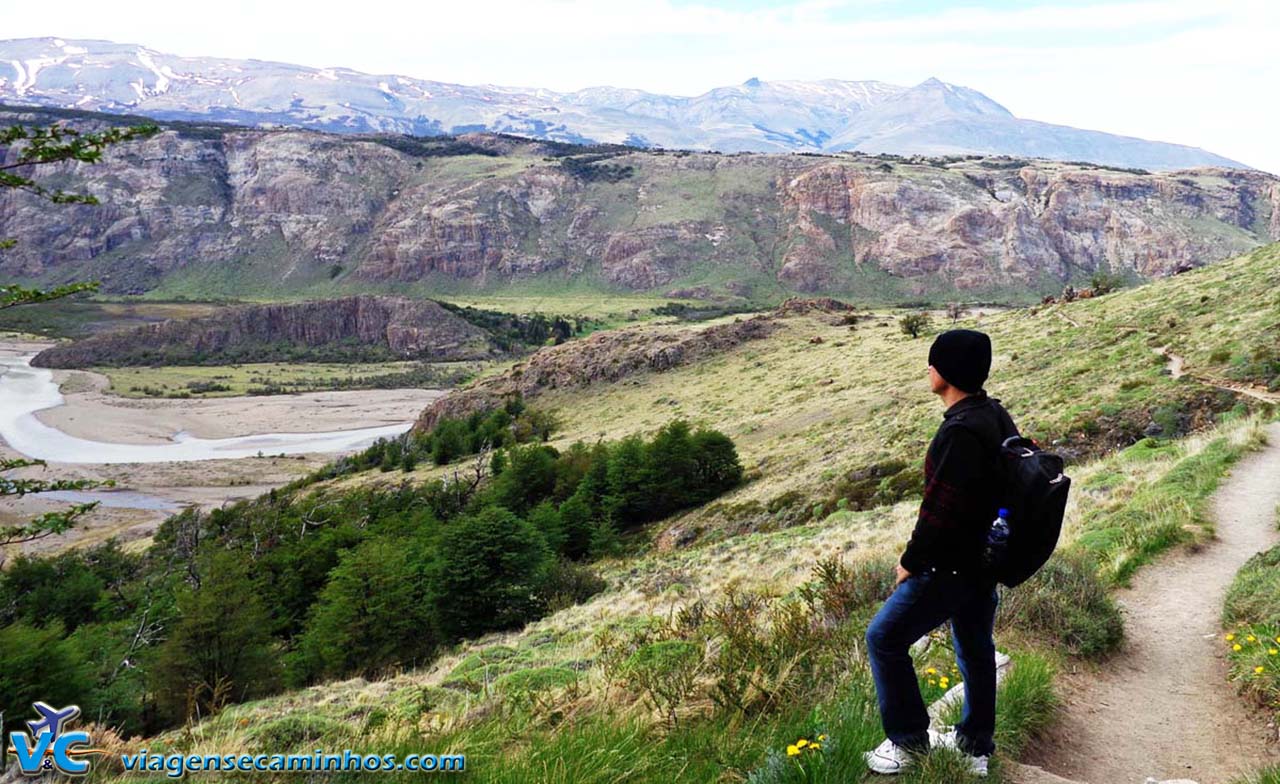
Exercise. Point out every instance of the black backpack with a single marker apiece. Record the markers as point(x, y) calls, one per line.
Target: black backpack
point(1035, 493)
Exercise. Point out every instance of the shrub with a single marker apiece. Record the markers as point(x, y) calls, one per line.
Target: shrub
point(877, 484)
point(493, 570)
point(535, 679)
point(1067, 602)
point(1254, 596)
point(293, 732)
point(39, 665)
point(841, 591)
point(373, 612)
point(219, 649)
point(666, 672)
point(1103, 282)
point(915, 324)
point(570, 583)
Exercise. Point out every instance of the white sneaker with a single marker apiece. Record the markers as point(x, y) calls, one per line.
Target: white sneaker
point(889, 758)
point(948, 740)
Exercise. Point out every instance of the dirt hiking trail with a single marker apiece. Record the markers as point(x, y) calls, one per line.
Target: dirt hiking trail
point(1163, 708)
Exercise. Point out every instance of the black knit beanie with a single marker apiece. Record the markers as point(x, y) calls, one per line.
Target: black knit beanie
point(963, 358)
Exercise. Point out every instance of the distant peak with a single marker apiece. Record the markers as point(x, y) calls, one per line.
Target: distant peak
point(752, 82)
point(933, 81)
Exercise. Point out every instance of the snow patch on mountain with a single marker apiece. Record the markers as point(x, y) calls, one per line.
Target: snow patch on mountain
point(829, 115)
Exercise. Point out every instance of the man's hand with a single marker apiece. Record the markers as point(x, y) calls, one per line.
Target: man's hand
point(900, 575)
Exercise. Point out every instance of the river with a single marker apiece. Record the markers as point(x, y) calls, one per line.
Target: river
point(24, 390)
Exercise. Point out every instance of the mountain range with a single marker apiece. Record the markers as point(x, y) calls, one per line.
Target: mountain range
point(931, 118)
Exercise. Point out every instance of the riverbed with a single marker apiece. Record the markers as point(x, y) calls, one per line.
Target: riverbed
point(164, 454)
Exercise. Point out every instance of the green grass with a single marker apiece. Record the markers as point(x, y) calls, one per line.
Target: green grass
point(1169, 511)
point(171, 381)
point(76, 318)
point(1251, 614)
point(1269, 776)
point(565, 739)
point(1254, 596)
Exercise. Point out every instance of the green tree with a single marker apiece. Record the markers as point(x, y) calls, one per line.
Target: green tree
point(546, 518)
point(374, 612)
point(604, 539)
point(670, 467)
point(219, 649)
point(528, 478)
point(576, 522)
point(914, 325)
point(449, 441)
point(41, 591)
point(492, 571)
point(39, 665)
point(629, 483)
point(717, 467)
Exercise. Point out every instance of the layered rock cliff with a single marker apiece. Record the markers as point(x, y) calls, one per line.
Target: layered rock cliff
point(354, 327)
point(214, 210)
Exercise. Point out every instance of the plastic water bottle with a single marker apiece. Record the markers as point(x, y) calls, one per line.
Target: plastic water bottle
point(997, 539)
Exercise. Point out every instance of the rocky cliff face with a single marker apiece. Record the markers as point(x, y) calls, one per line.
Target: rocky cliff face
point(368, 326)
point(239, 212)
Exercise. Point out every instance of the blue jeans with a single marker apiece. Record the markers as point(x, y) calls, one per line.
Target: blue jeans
point(918, 606)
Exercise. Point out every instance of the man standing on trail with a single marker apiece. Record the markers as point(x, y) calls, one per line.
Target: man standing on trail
point(940, 575)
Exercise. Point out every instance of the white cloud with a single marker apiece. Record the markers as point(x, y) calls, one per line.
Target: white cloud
point(1175, 70)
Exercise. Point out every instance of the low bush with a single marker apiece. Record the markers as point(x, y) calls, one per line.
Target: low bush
point(1254, 596)
point(1065, 602)
point(1251, 613)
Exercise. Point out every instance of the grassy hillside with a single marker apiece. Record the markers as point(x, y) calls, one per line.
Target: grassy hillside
point(703, 662)
point(567, 700)
point(823, 411)
point(727, 633)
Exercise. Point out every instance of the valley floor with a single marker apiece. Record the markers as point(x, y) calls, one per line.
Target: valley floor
point(92, 412)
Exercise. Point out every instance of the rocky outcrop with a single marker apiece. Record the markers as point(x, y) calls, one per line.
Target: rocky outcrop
point(612, 355)
point(600, 358)
point(363, 326)
point(247, 212)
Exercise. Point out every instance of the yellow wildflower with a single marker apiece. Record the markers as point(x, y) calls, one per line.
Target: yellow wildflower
point(1236, 647)
point(800, 744)
point(932, 682)
point(815, 746)
point(822, 737)
point(1272, 651)
point(792, 750)
point(931, 671)
point(1259, 670)
point(1230, 637)
point(1251, 638)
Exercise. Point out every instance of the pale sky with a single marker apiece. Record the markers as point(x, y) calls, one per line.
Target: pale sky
point(1193, 72)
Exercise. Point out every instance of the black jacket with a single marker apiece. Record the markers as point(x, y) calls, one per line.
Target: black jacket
point(962, 487)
